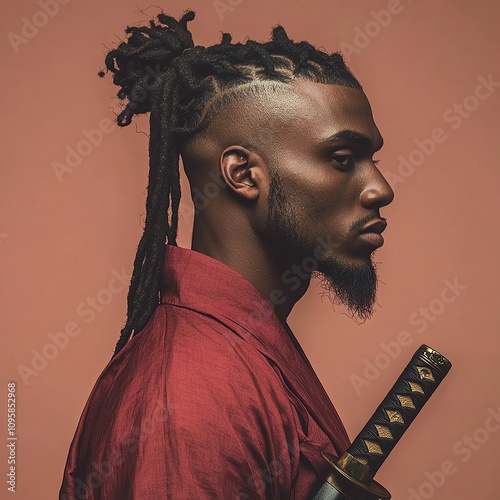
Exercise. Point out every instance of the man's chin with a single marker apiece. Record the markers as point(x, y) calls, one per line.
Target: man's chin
point(352, 285)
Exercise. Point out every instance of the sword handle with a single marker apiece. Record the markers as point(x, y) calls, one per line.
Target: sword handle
point(352, 473)
point(391, 419)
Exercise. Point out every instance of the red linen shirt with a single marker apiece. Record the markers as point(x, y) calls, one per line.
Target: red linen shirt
point(213, 399)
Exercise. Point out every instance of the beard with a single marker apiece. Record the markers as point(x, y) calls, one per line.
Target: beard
point(351, 285)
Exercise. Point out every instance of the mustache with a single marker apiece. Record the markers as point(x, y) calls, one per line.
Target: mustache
point(356, 226)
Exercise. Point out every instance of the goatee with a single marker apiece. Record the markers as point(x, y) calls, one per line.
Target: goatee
point(354, 286)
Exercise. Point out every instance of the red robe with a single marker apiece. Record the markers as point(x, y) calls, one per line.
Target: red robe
point(214, 398)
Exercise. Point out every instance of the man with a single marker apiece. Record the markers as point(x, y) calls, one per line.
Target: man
point(209, 395)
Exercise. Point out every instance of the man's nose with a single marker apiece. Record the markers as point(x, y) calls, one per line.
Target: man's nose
point(376, 192)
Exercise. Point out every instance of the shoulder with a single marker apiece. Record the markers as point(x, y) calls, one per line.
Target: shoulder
point(201, 363)
point(212, 409)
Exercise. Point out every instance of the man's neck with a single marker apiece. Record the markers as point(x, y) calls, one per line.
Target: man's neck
point(278, 282)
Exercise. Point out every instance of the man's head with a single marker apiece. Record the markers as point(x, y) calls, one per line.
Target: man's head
point(286, 129)
point(301, 181)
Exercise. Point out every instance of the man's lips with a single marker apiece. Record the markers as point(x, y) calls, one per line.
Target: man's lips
point(374, 226)
point(372, 232)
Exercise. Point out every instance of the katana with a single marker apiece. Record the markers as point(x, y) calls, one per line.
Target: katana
point(351, 475)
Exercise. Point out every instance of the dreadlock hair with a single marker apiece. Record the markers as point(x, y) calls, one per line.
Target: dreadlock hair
point(161, 71)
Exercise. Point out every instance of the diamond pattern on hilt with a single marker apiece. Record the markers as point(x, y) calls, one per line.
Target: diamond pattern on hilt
point(373, 447)
point(394, 417)
point(406, 401)
point(425, 373)
point(383, 431)
point(415, 387)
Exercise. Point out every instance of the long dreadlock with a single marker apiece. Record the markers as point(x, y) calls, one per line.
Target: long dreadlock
point(161, 71)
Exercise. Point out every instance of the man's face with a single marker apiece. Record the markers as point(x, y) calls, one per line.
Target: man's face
point(326, 192)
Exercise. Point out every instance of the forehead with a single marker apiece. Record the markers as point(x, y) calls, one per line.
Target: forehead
point(317, 111)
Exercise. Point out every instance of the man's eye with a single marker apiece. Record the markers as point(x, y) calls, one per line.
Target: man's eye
point(346, 161)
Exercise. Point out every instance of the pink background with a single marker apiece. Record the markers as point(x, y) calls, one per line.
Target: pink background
point(61, 239)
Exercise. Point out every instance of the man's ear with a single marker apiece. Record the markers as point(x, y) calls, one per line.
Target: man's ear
point(243, 171)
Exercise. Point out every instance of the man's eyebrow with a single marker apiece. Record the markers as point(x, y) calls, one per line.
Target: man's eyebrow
point(353, 136)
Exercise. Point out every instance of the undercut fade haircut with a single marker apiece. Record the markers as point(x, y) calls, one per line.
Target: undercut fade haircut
point(160, 71)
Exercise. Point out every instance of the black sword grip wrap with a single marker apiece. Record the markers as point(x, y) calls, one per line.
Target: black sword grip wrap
point(402, 404)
